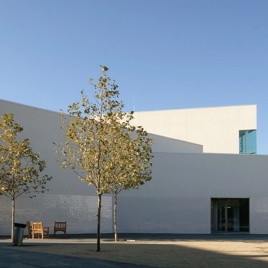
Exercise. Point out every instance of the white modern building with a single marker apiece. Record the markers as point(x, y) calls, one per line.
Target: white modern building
point(207, 176)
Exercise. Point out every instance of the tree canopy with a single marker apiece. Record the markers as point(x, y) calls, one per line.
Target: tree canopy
point(99, 147)
point(20, 167)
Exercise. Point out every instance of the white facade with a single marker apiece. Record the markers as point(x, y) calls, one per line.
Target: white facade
point(187, 187)
point(178, 199)
point(214, 128)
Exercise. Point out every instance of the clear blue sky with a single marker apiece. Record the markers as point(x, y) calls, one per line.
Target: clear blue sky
point(167, 54)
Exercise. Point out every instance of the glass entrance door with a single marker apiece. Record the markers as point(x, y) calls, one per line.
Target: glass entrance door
point(230, 215)
point(225, 215)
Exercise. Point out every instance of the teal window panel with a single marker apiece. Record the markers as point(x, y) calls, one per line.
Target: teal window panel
point(247, 141)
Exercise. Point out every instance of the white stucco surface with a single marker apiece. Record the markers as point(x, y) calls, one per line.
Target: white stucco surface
point(177, 200)
point(215, 128)
point(179, 196)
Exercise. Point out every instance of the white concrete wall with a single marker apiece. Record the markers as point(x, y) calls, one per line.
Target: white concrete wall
point(177, 200)
point(163, 144)
point(217, 128)
point(68, 198)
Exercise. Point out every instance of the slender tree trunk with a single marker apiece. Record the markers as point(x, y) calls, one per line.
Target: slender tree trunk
point(12, 218)
point(99, 221)
point(115, 217)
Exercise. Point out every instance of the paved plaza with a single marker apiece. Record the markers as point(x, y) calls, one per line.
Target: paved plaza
point(139, 250)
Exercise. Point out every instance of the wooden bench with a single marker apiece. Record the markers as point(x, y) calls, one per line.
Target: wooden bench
point(38, 230)
point(60, 226)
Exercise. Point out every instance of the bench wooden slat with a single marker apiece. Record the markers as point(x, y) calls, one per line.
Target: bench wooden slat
point(60, 226)
point(39, 229)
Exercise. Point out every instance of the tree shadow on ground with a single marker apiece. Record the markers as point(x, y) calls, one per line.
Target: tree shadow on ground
point(156, 254)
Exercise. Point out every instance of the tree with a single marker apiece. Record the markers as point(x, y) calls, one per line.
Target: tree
point(95, 132)
point(130, 160)
point(19, 165)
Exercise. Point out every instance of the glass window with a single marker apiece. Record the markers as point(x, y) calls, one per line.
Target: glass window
point(247, 141)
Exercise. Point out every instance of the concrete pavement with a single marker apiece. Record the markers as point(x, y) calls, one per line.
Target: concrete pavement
point(12, 256)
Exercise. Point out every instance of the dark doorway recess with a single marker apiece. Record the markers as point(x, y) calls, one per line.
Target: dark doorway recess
point(229, 215)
